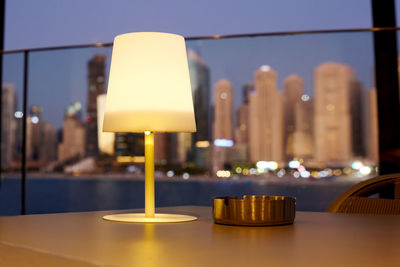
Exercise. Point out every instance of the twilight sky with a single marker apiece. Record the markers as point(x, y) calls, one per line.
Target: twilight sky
point(58, 78)
point(42, 23)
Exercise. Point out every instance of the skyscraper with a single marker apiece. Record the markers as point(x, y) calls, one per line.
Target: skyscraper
point(242, 129)
point(182, 149)
point(36, 129)
point(48, 149)
point(96, 84)
point(200, 83)
point(265, 117)
point(74, 138)
point(223, 106)
point(292, 92)
point(332, 119)
point(8, 106)
point(371, 126)
point(301, 141)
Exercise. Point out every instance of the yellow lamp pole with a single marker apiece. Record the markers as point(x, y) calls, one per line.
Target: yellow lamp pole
point(149, 174)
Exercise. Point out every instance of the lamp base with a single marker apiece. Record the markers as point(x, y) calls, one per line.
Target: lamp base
point(140, 218)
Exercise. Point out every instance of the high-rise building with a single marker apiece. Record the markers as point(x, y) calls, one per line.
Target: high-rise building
point(8, 108)
point(161, 148)
point(129, 144)
point(332, 119)
point(223, 106)
point(184, 143)
point(74, 138)
point(96, 84)
point(242, 129)
point(35, 133)
point(200, 83)
point(292, 92)
point(265, 117)
point(300, 142)
point(371, 126)
point(48, 149)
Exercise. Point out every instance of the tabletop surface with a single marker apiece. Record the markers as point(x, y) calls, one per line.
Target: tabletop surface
point(84, 239)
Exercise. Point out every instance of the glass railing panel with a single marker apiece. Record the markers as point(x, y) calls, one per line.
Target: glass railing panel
point(11, 133)
point(62, 128)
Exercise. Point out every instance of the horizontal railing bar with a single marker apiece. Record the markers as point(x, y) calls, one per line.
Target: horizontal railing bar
point(210, 37)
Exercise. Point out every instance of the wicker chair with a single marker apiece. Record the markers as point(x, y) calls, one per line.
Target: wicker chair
point(379, 195)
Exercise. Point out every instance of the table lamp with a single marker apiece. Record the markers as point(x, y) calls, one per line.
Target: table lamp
point(149, 91)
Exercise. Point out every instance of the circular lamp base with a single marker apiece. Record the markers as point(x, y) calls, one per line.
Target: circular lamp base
point(158, 218)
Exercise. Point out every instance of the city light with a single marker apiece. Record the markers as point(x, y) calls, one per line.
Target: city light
point(365, 170)
point(267, 165)
point(337, 172)
point(305, 174)
point(35, 119)
point(265, 68)
point(170, 173)
point(305, 97)
point(281, 173)
point(202, 144)
point(294, 164)
point(223, 142)
point(134, 159)
point(301, 168)
point(356, 165)
point(223, 174)
point(18, 114)
point(185, 176)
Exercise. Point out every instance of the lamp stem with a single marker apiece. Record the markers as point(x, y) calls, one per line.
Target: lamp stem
point(149, 174)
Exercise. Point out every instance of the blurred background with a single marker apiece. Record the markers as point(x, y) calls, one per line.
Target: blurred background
point(284, 95)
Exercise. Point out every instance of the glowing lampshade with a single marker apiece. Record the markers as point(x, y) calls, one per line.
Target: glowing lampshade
point(149, 85)
point(149, 91)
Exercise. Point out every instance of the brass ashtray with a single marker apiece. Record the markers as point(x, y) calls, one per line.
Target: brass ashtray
point(254, 210)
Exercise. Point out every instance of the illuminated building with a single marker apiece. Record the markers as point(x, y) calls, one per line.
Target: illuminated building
point(200, 83)
point(48, 149)
point(96, 84)
point(129, 144)
point(223, 106)
point(332, 119)
point(301, 141)
point(242, 130)
point(183, 145)
point(371, 126)
point(265, 117)
point(161, 148)
point(8, 106)
point(35, 134)
point(74, 138)
point(292, 92)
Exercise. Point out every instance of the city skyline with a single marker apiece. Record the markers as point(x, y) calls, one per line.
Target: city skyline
point(236, 63)
point(274, 132)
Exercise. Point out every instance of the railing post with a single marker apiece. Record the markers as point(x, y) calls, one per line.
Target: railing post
point(24, 125)
point(387, 85)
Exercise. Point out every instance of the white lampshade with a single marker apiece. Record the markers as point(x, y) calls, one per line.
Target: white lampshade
point(149, 85)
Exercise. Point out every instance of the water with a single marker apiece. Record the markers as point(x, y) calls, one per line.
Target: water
point(71, 194)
